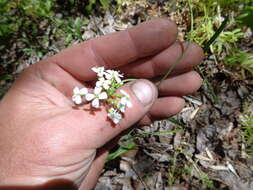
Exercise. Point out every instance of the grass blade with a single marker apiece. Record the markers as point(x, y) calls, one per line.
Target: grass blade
point(216, 35)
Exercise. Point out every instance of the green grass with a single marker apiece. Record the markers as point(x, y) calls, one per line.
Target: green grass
point(242, 60)
point(247, 132)
point(105, 4)
point(246, 122)
point(179, 169)
point(18, 15)
point(207, 16)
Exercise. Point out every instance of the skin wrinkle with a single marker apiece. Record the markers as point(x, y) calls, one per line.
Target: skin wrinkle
point(78, 168)
point(41, 98)
point(41, 74)
point(99, 60)
point(56, 81)
point(29, 91)
point(80, 179)
point(153, 68)
point(133, 44)
point(62, 172)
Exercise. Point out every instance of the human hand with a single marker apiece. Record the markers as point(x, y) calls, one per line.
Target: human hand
point(45, 140)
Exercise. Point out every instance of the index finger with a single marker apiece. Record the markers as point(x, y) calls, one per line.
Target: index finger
point(117, 49)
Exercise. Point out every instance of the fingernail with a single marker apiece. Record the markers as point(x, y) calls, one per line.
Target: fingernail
point(143, 91)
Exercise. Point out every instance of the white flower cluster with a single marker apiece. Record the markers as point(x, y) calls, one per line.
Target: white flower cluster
point(105, 92)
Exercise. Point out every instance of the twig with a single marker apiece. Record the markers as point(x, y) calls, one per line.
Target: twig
point(141, 180)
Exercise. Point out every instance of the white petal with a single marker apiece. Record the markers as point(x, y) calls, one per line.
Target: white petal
point(114, 118)
point(116, 121)
point(118, 116)
point(101, 69)
point(118, 80)
point(100, 74)
point(76, 90)
point(83, 91)
point(95, 103)
point(97, 90)
point(129, 104)
point(102, 79)
point(106, 86)
point(98, 70)
point(77, 99)
point(102, 96)
point(108, 76)
point(122, 109)
point(89, 97)
point(109, 114)
point(123, 101)
point(74, 98)
point(108, 82)
point(124, 93)
point(99, 83)
point(110, 71)
point(95, 69)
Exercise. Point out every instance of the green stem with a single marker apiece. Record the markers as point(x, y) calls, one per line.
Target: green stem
point(174, 65)
point(128, 80)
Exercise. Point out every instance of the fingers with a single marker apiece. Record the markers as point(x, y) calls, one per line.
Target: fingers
point(117, 49)
point(166, 107)
point(163, 108)
point(170, 90)
point(160, 63)
point(101, 130)
point(180, 85)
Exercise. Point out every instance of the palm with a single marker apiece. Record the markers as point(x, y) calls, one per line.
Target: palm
point(61, 140)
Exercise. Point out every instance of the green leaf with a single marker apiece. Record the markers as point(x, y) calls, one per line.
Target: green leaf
point(68, 39)
point(176, 122)
point(246, 17)
point(5, 77)
point(89, 6)
point(121, 150)
point(105, 3)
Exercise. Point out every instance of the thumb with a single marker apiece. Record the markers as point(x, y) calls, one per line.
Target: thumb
point(142, 94)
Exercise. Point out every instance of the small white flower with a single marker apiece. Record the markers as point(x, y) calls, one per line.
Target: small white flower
point(111, 74)
point(102, 82)
point(78, 93)
point(99, 70)
point(124, 102)
point(219, 19)
point(114, 115)
point(96, 96)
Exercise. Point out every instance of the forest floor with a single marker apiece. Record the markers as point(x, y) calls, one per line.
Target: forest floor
point(204, 146)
